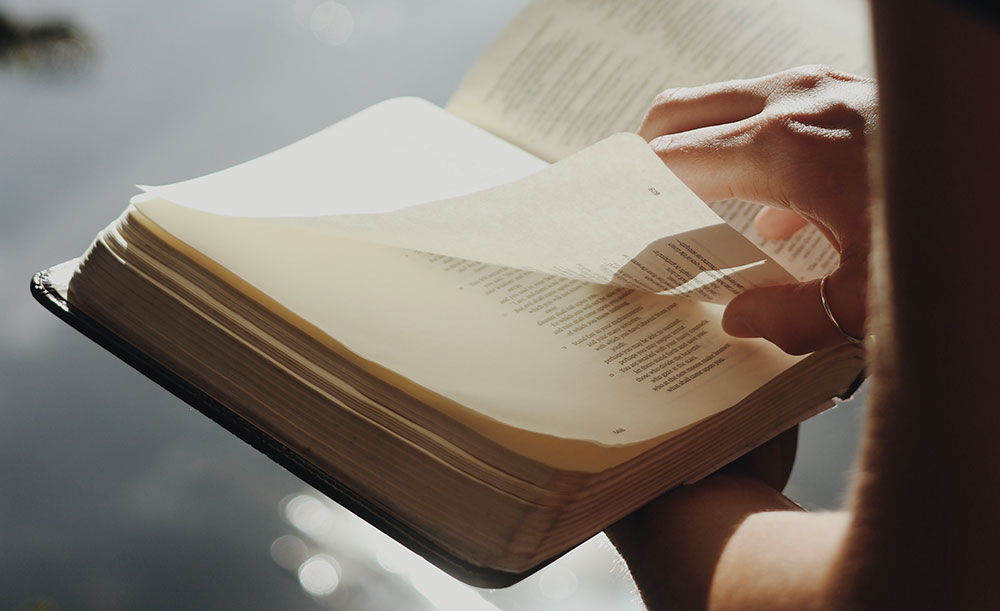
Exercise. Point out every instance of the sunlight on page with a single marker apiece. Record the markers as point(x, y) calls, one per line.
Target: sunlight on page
point(495, 285)
point(385, 157)
point(611, 214)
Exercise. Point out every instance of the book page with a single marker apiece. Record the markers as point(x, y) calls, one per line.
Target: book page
point(392, 155)
point(567, 73)
point(807, 254)
point(591, 361)
point(611, 214)
point(535, 351)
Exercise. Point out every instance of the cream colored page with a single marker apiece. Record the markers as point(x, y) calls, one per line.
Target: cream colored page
point(567, 73)
point(531, 350)
point(611, 214)
point(806, 254)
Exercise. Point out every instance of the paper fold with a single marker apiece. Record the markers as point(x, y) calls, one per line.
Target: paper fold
point(610, 214)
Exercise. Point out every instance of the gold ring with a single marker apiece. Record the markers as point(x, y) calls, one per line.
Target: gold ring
point(829, 313)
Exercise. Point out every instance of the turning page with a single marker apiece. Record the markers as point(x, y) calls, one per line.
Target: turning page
point(534, 351)
point(567, 73)
point(592, 361)
point(611, 214)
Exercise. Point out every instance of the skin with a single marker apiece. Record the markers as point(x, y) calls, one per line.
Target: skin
point(797, 141)
point(921, 528)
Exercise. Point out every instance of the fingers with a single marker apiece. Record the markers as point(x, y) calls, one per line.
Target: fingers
point(720, 161)
point(687, 108)
point(771, 462)
point(777, 223)
point(794, 140)
point(792, 315)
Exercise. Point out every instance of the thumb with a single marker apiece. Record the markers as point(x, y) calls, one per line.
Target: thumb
point(792, 315)
point(778, 223)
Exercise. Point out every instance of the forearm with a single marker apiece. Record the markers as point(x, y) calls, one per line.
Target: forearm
point(728, 542)
point(923, 528)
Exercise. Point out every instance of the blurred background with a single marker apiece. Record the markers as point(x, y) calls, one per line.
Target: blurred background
point(115, 495)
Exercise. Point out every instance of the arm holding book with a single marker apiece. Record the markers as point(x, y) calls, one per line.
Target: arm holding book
point(920, 529)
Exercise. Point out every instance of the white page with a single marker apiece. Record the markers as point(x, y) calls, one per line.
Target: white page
point(395, 154)
point(567, 73)
point(612, 214)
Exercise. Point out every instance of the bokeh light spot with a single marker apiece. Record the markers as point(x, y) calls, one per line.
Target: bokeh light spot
point(332, 23)
point(320, 575)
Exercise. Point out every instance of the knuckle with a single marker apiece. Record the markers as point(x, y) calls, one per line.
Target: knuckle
point(665, 97)
point(782, 129)
point(819, 123)
point(820, 96)
point(808, 76)
point(840, 113)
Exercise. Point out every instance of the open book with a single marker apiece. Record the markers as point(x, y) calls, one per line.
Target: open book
point(489, 357)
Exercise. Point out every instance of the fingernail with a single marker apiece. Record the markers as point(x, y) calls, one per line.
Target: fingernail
point(737, 326)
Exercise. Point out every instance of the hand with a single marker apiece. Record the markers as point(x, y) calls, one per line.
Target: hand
point(674, 545)
point(771, 463)
point(796, 141)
